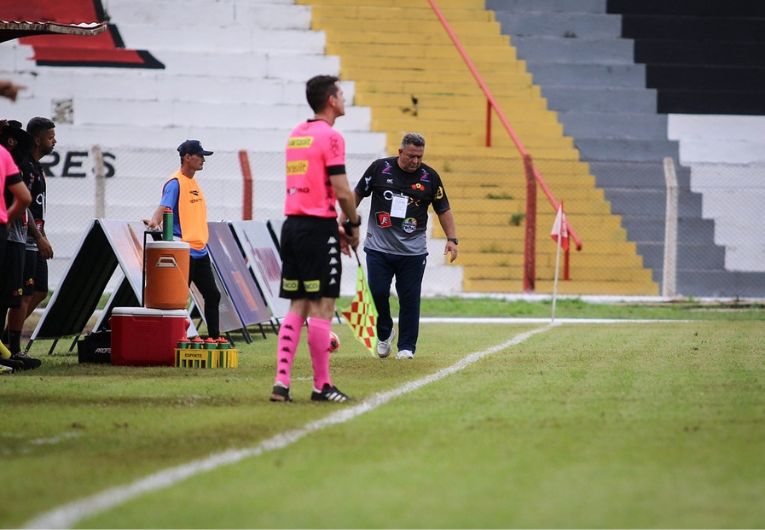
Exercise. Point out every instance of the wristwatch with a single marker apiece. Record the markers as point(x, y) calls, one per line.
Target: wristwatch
point(453, 240)
point(349, 226)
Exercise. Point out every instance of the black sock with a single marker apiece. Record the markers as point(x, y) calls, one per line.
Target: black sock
point(14, 341)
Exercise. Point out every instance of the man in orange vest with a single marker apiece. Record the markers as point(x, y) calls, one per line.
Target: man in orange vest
point(183, 194)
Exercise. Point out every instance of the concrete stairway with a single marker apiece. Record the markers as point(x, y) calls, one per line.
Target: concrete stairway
point(234, 77)
point(424, 86)
point(587, 72)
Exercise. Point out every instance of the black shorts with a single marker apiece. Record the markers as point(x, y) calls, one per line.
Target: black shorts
point(311, 266)
point(12, 274)
point(3, 237)
point(41, 274)
point(30, 266)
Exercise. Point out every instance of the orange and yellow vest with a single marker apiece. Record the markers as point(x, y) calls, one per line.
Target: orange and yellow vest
point(192, 211)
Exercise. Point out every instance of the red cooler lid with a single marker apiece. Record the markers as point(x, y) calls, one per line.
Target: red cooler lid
point(146, 312)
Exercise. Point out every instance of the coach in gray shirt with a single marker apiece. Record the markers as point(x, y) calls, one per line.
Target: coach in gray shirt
point(402, 188)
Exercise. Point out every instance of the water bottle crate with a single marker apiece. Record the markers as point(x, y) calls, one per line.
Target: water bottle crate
point(204, 358)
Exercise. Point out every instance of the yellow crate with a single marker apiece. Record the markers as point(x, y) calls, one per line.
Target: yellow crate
point(203, 358)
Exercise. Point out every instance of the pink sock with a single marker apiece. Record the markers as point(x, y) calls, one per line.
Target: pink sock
point(318, 345)
point(289, 338)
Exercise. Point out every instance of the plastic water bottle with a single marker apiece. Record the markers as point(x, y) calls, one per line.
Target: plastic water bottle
point(167, 225)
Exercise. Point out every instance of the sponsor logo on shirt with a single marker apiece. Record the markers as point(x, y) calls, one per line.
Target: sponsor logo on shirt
point(300, 142)
point(409, 225)
point(440, 193)
point(297, 167)
point(417, 186)
point(383, 220)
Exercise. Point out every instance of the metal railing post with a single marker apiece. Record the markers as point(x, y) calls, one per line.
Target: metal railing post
point(669, 269)
point(100, 175)
point(488, 123)
point(530, 237)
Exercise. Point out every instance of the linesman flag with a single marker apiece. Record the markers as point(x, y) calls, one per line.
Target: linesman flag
point(560, 228)
point(361, 315)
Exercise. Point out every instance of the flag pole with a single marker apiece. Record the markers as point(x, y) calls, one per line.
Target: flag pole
point(555, 280)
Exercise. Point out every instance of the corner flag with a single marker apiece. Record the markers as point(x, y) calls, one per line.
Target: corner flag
point(361, 315)
point(560, 228)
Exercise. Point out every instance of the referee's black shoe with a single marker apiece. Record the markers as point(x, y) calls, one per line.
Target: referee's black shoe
point(281, 394)
point(329, 393)
point(28, 363)
point(12, 363)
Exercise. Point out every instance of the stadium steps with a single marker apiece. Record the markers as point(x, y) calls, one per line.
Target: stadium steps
point(237, 83)
point(582, 54)
point(406, 86)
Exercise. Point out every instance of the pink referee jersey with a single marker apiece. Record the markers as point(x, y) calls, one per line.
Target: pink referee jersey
point(7, 168)
point(313, 146)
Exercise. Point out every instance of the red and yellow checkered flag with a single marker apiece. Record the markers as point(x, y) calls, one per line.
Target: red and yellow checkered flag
point(361, 315)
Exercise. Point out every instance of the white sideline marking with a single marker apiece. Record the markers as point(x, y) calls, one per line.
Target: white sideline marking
point(55, 439)
point(544, 320)
point(69, 514)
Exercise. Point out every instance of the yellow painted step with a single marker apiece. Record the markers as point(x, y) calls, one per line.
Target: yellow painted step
point(546, 256)
point(503, 240)
point(519, 118)
point(495, 171)
point(450, 102)
point(572, 287)
point(518, 192)
point(426, 52)
point(499, 240)
point(490, 159)
point(514, 206)
point(350, 36)
point(545, 272)
point(472, 139)
point(521, 109)
point(406, 27)
point(493, 234)
point(446, 136)
point(458, 72)
point(473, 136)
point(443, 4)
point(493, 154)
point(384, 14)
point(513, 186)
point(447, 64)
point(515, 246)
point(436, 86)
point(585, 223)
point(486, 218)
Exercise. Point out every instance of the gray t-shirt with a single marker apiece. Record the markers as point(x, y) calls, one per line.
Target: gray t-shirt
point(17, 230)
point(388, 231)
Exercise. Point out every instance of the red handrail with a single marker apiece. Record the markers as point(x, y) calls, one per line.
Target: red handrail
point(244, 163)
point(492, 104)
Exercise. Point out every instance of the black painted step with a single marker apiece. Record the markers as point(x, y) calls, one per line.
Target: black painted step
point(662, 27)
point(710, 77)
point(700, 52)
point(708, 8)
point(689, 101)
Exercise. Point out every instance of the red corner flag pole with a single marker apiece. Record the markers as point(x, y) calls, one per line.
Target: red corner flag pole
point(559, 233)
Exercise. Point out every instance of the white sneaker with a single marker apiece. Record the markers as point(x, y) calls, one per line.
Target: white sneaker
point(384, 346)
point(405, 354)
